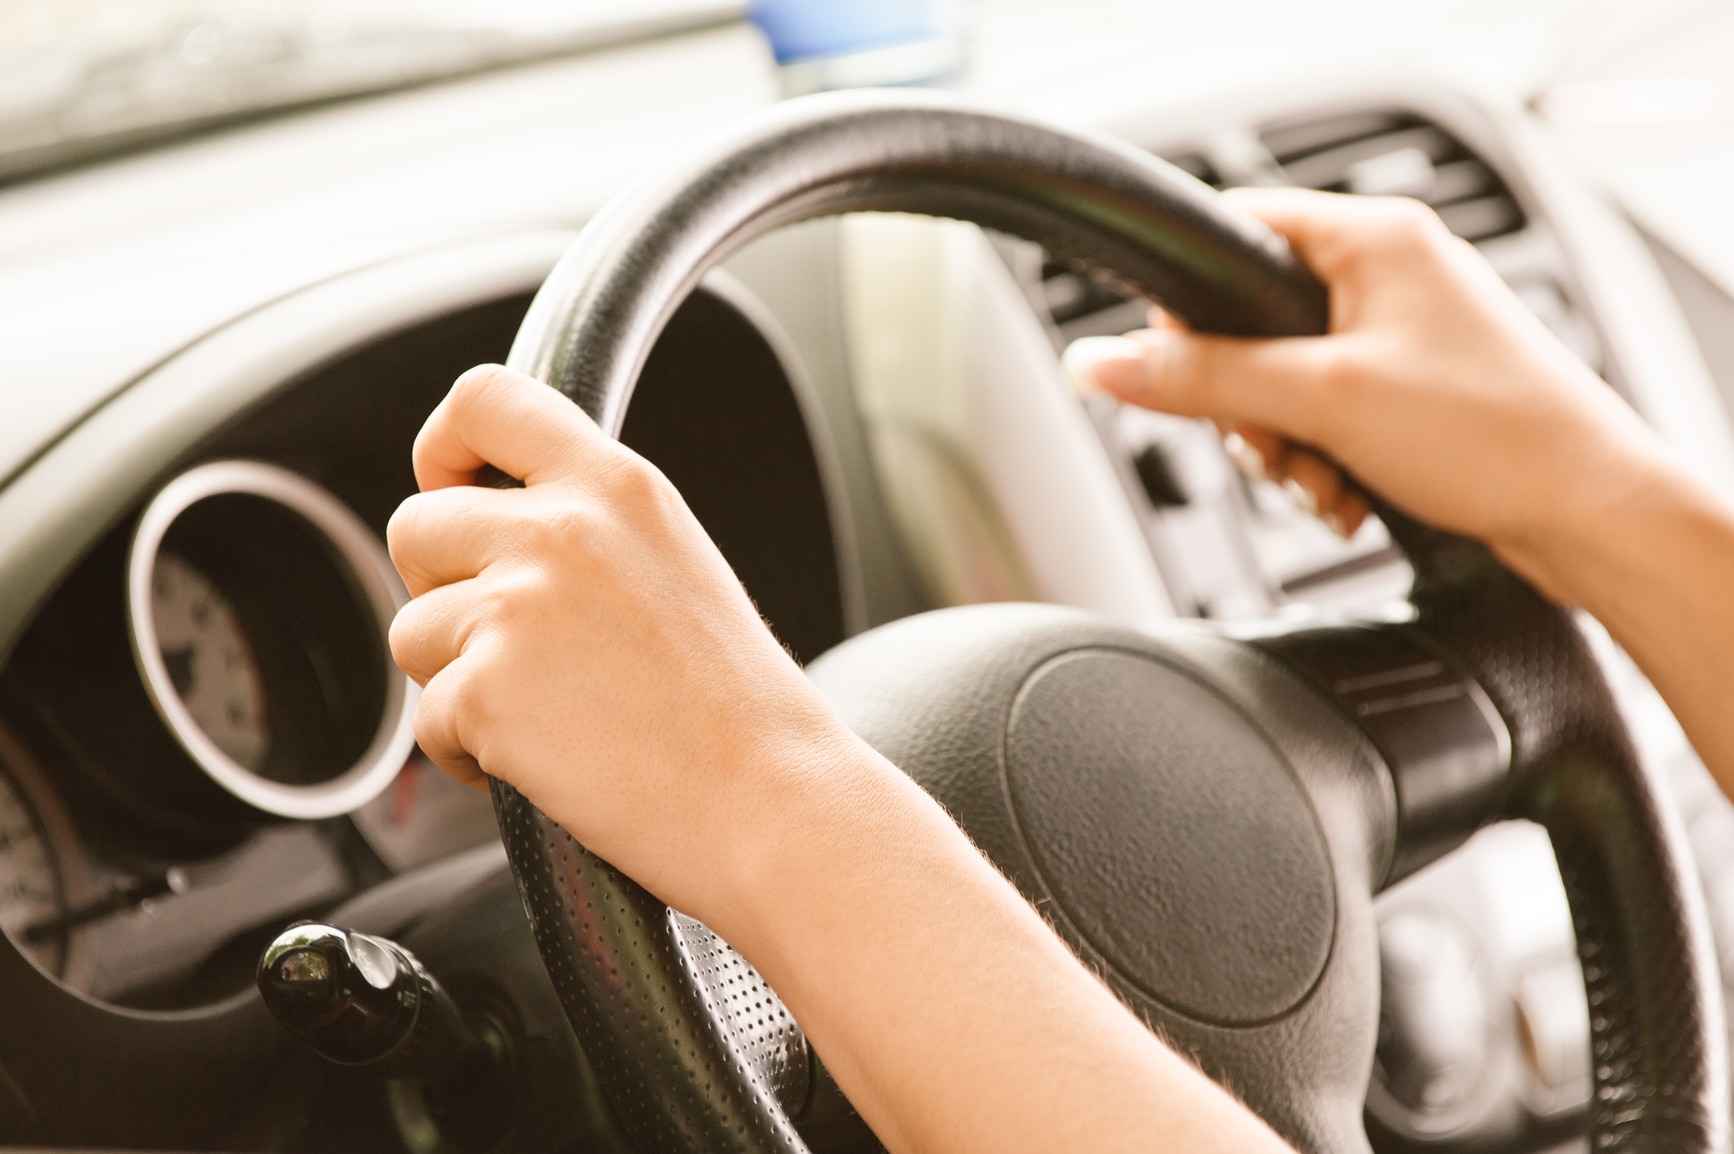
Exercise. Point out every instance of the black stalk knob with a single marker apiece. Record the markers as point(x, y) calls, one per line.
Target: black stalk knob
point(361, 1000)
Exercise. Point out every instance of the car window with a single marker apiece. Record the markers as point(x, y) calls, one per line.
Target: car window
point(83, 77)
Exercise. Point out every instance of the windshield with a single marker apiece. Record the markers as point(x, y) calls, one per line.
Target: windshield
point(78, 77)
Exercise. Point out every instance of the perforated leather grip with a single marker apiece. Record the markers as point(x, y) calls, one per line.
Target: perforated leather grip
point(695, 1051)
point(1093, 200)
point(1658, 1048)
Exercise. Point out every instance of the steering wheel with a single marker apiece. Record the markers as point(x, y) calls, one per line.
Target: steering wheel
point(1204, 814)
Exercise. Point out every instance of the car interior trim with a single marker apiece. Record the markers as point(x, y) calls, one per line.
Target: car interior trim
point(53, 511)
point(990, 468)
point(738, 296)
point(370, 569)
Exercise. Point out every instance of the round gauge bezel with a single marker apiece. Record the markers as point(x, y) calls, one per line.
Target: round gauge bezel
point(76, 962)
point(365, 557)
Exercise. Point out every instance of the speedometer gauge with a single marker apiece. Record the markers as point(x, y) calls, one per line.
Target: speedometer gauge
point(209, 659)
point(258, 611)
point(30, 887)
point(41, 873)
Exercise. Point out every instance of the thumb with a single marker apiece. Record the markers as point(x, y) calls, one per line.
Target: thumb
point(1275, 384)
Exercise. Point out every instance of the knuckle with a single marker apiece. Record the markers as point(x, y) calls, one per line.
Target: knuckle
point(432, 722)
point(402, 638)
point(635, 482)
point(561, 532)
point(1202, 365)
point(1180, 369)
point(456, 702)
point(401, 530)
point(1340, 380)
point(474, 708)
point(1330, 384)
point(1411, 226)
point(429, 709)
point(479, 388)
point(512, 602)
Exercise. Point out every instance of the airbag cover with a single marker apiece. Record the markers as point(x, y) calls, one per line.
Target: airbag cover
point(1172, 834)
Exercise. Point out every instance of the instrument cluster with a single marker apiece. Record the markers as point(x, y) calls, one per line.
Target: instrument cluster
point(203, 736)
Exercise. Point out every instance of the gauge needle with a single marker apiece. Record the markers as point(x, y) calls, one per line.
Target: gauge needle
point(124, 896)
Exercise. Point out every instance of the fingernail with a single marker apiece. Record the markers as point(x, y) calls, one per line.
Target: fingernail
point(1334, 522)
point(1302, 495)
point(1247, 459)
point(1110, 365)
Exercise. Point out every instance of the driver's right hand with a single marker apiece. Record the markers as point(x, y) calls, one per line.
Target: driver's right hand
point(1435, 388)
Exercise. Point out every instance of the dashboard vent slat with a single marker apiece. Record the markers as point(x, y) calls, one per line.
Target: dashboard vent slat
point(1301, 138)
point(1395, 154)
point(1195, 164)
point(1334, 168)
point(1389, 153)
point(1482, 218)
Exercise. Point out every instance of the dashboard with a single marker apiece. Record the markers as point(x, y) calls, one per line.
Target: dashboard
point(153, 847)
point(202, 737)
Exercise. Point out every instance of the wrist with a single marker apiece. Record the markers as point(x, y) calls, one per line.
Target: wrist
point(804, 797)
point(1598, 541)
point(806, 888)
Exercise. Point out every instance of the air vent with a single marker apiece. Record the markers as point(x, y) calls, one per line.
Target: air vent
point(1392, 154)
point(1193, 164)
point(1071, 295)
point(1377, 153)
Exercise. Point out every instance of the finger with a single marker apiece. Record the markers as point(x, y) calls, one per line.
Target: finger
point(1327, 229)
point(1259, 453)
point(1275, 384)
point(447, 535)
point(494, 416)
point(437, 731)
point(1263, 456)
point(1306, 218)
point(1162, 320)
point(1317, 485)
point(431, 631)
point(1350, 513)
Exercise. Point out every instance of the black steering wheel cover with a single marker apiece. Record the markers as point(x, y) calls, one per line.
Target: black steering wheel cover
point(1660, 1067)
point(1657, 1039)
point(1101, 203)
point(681, 1052)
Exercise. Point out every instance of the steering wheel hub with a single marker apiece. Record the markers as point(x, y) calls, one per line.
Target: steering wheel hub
point(1172, 834)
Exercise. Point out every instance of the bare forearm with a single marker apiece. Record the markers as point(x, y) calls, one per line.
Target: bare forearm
point(950, 1014)
point(1656, 567)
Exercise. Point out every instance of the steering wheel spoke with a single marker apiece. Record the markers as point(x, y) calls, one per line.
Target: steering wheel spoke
point(1446, 748)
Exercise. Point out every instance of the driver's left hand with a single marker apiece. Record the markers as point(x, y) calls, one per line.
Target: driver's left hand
point(584, 640)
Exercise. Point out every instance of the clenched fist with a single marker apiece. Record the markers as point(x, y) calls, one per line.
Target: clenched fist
point(583, 639)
